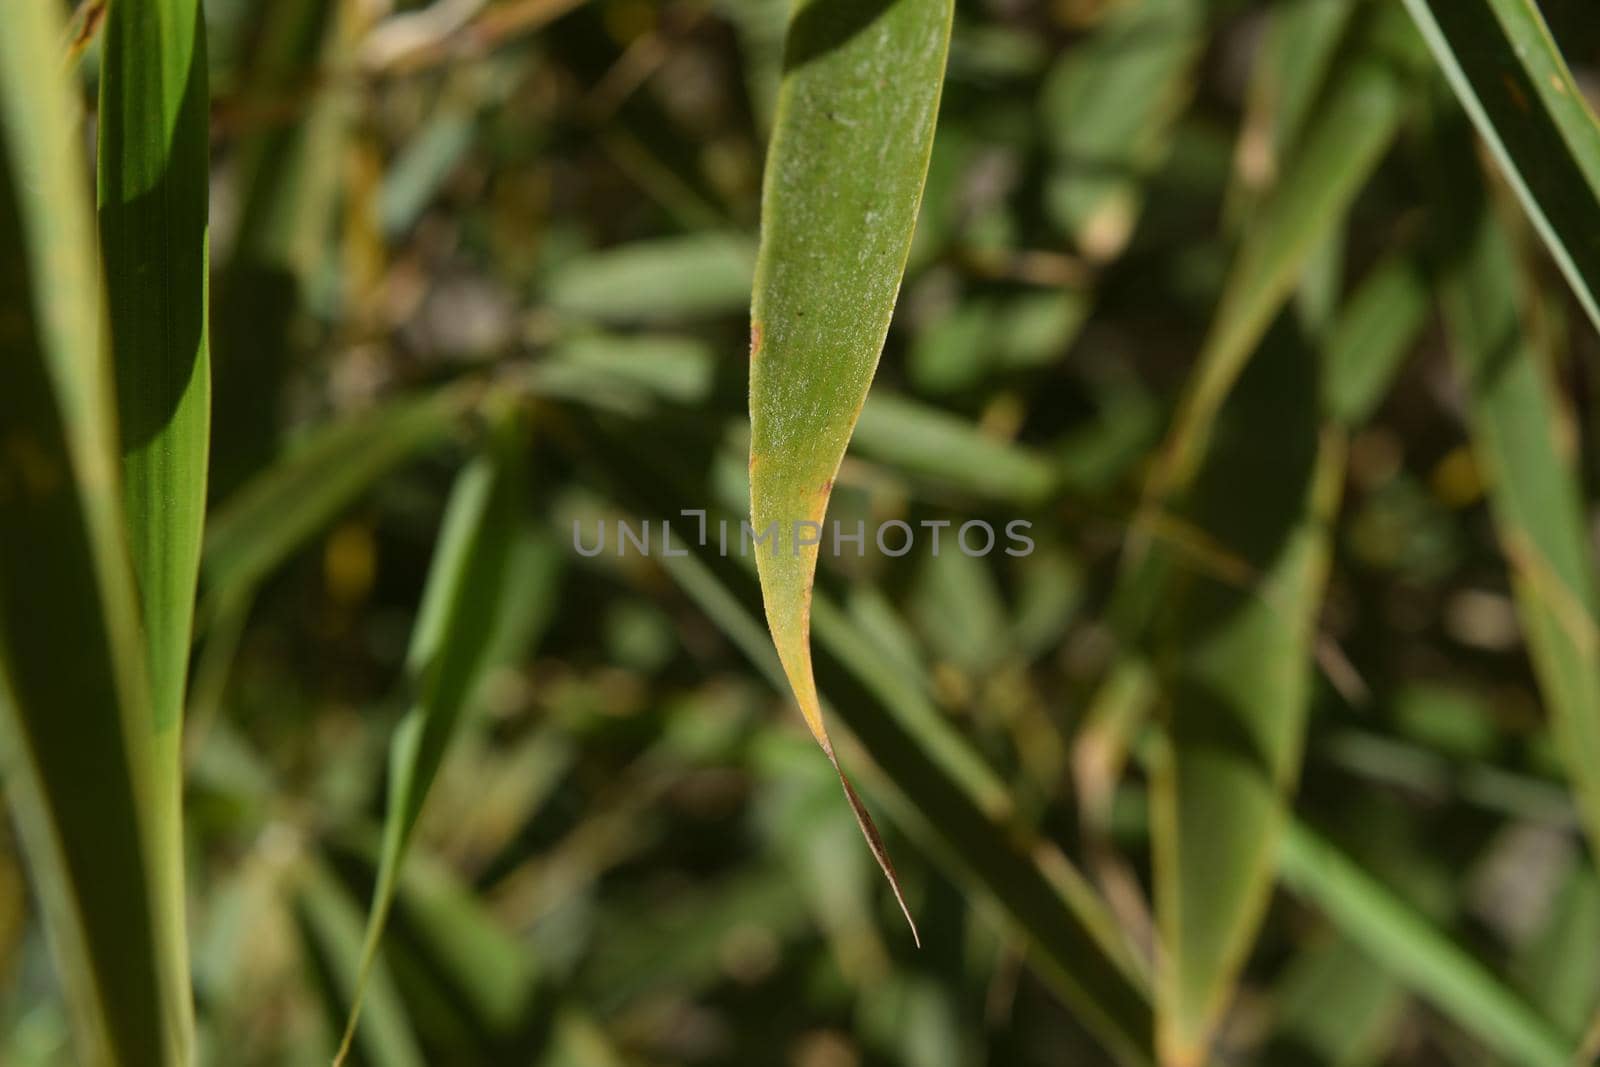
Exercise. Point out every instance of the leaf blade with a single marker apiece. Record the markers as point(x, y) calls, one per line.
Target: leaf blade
point(1534, 493)
point(450, 645)
point(1405, 943)
point(65, 587)
point(844, 178)
point(1509, 76)
point(1234, 659)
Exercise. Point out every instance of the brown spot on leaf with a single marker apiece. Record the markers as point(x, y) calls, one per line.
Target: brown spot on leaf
point(755, 339)
point(1518, 97)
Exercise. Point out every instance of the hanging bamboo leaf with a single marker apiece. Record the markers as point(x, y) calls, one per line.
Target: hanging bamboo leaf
point(95, 804)
point(845, 171)
point(1510, 78)
point(449, 649)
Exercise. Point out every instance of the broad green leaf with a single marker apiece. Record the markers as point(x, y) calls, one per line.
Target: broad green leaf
point(1234, 660)
point(1358, 115)
point(845, 171)
point(1532, 485)
point(1421, 956)
point(1508, 74)
point(330, 926)
point(92, 792)
point(153, 171)
point(453, 635)
point(1109, 105)
point(272, 516)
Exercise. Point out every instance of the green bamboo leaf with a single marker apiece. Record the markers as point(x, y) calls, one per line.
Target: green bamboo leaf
point(153, 192)
point(273, 515)
point(453, 635)
point(1417, 953)
point(1110, 104)
point(845, 171)
point(1234, 659)
point(1375, 330)
point(667, 278)
point(94, 802)
point(1532, 484)
point(1298, 47)
point(1509, 76)
point(948, 450)
point(330, 925)
point(1359, 114)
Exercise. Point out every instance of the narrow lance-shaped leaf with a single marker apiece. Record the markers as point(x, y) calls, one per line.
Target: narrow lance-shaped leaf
point(845, 171)
point(330, 928)
point(1416, 952)
point(1234, 659)
point(1299, 43)
point(449, 649)
point(74, 704)
point(153, 195)
point(1508, 74)
point(1357, 116)
point(1376, 329)
point(1532, 485)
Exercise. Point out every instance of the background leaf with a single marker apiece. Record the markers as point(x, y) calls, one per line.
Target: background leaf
point(449, 650)
point(1427, 961)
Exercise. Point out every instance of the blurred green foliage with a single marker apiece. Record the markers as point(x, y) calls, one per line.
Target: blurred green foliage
point(1225, 297)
